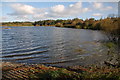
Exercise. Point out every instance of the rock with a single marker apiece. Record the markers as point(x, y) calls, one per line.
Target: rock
point(111, 63)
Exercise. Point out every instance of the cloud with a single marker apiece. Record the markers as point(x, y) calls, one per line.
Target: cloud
point(76, 5)
point(40, 16)
point(25, 12)
point(72, 10)
point(22, 9)
point(87, 9)
point(22, 17)
point(97, 5)
point(58, 8)
point(28, 12)
point(107, 8)
point(97, 14)
point(4, 18)
point(101, 7)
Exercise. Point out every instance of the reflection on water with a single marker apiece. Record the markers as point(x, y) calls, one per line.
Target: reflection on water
point(52, 45)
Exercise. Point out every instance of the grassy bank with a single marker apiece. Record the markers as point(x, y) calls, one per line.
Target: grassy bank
point(17, 71)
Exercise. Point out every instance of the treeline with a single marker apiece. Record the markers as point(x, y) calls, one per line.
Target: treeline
point(79, 23)
point(102, 24)
point(17, 24)
point(70, 23)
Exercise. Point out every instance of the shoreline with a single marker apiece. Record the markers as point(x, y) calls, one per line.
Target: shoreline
point(39, 71)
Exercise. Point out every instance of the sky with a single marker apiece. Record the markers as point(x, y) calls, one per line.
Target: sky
point(34, 11)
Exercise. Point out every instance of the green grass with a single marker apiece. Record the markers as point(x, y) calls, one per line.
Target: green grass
point(64, 74)
point(110, 45)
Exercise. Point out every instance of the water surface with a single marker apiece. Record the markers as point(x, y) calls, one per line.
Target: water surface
point(52, 46)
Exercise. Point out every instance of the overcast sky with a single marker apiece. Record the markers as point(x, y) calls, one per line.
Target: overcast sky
point(34, 11)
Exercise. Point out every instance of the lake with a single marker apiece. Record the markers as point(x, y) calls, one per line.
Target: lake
point(53, 46)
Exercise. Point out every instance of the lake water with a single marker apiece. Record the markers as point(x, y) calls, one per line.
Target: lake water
point(53, 46)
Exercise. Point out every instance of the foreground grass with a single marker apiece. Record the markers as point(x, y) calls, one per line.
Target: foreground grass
point(68, 75)
point(41, 72)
